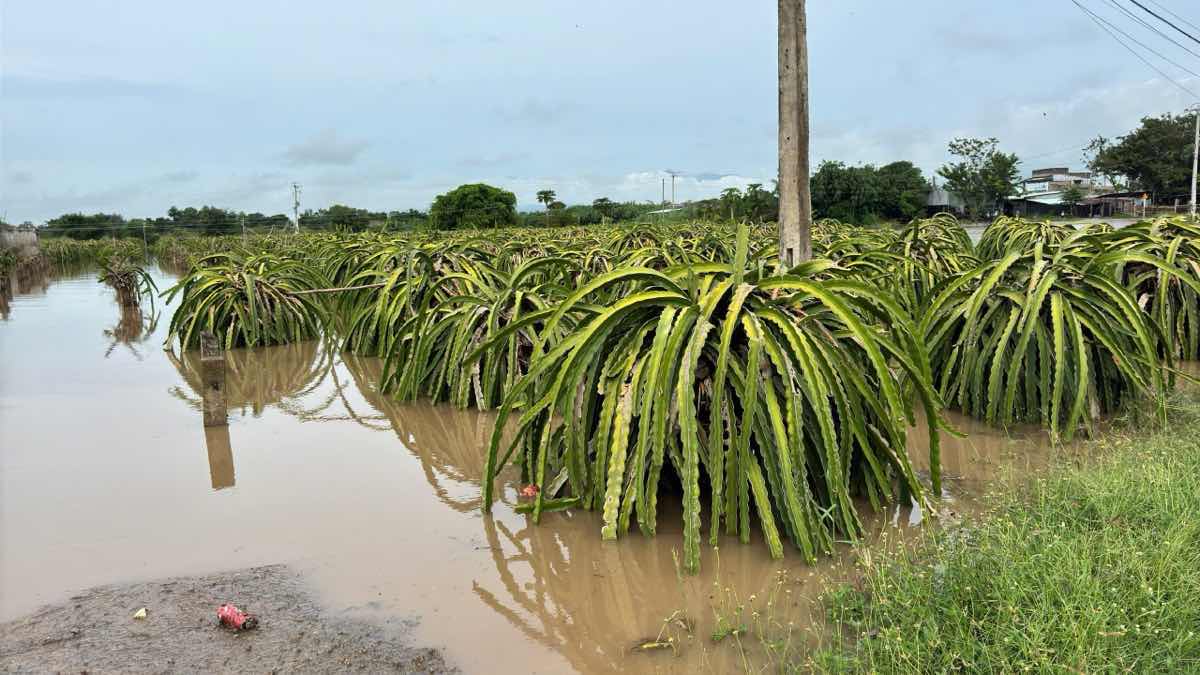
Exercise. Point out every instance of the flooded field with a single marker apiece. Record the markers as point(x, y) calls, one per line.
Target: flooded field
point(108, 474)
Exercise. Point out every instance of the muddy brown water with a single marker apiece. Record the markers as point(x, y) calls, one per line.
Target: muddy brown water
point(108, 475)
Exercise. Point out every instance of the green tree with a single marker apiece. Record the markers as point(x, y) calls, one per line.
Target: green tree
point(1156, 157)
point(474, 205)
point(89, 226)
point(731, 199)
point(903, 191)
point(982, 176)
point(759, 204)
point(604, 206)
point(205, 220)
point(546, 197)
point(847, 193)
point(1071, 198)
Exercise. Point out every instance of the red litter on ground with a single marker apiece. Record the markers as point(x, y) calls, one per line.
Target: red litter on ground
point(232, 617)
point(529, 491)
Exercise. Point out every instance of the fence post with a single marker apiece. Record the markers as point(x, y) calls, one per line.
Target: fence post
point(212, 376)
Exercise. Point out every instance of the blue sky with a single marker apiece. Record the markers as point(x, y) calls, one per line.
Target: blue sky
point(134, 106)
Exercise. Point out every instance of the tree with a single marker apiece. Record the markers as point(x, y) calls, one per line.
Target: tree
point(1156, 157)
point(795, 202)
point(903, 191)
point(93, 226)
point(205, 220)
point(341, 217)
point(603, 206)
point(758, 204)
point(864, 194)
point(546, 197)
point(983, 176)
point(731, 198)
point(474, 205)
point(1071, 198)
point(846, 193)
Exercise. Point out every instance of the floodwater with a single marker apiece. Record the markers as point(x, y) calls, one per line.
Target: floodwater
point(108, 474)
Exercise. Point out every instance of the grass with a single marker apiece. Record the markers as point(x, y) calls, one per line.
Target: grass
point(1088, 569)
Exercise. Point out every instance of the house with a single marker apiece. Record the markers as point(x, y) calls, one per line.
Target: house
point(941, 200)
point(1057, 179)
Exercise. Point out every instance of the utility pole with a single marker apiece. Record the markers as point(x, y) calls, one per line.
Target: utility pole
point(1195, 160)
point(296, 207)
point(664, 190)
point(243, 228)
point(795, 201)
point(672, 188)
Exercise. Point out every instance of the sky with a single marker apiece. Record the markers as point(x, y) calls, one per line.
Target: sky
point(138, 105)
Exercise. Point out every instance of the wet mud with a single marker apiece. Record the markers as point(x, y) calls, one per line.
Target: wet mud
point(95, 631)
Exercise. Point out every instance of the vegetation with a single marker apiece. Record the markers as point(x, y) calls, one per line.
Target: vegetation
point(1156, 157)
point(245, 300)
point(472, 206)
point(1092, 569)
point(630, 360)
point(1041, 330)
point(982, 176)
point(130, 281)
point(866, 194)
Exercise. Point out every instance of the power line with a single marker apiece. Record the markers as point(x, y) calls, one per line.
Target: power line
point(1124, 10)
point(1143, 45)
point(1158, 16)
point(1173, 14)
point(1131, 50)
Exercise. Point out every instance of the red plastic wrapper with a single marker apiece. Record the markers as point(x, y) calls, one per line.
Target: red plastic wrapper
point(530, 491)
point(232, 617)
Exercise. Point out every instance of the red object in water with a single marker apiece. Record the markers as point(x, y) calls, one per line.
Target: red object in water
point(232, 617)
point(529, 491)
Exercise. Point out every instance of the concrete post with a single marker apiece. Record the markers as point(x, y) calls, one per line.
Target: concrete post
point(795, 201)
point(212, 377)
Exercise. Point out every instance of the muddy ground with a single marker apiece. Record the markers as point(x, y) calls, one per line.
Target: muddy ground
point(95, 631)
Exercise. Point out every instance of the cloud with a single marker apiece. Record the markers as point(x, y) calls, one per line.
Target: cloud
point(491, 161)
point(182, 176)
point(23, 87)
point(325, 148)
point(20, 177)
point(535, 112)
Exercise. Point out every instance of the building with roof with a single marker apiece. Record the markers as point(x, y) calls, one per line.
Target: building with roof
point(1058, 179)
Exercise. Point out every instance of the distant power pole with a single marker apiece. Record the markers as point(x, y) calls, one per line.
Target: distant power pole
point(1195, 160)
point(664, 190)
point(795, 201)
point(296, 207)
point(673, 188)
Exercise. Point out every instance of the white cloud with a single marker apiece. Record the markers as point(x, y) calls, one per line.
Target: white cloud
point(325, 148)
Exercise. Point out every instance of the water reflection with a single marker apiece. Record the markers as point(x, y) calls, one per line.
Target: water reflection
point(134, 328)
point(448, 443)
point(28, 280)
point(260, 378)
point(220, 456)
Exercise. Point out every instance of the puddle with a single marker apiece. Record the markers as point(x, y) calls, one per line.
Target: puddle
point(109, 474)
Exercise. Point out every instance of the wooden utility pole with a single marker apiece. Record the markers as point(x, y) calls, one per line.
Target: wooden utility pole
point(795, 202)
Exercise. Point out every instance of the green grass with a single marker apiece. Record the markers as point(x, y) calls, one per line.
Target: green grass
point(1088, 569)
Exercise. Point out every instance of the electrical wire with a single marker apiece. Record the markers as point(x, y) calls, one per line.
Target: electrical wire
point(1151, 27)
point(1143, 45)
point(1158, 16)
point(1179, 18)
point(1131, 50)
